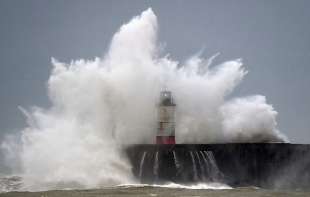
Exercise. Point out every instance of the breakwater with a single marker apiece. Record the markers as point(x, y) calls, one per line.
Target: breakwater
point(267, 165)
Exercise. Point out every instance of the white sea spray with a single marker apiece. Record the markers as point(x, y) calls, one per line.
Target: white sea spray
point(100, 106)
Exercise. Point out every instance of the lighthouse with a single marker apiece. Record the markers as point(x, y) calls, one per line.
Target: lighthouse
point(166, 119)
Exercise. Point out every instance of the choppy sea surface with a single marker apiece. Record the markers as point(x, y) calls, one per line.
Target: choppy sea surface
point(10, 187)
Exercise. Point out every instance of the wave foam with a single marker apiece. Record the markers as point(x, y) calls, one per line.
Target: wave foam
point(99, 106)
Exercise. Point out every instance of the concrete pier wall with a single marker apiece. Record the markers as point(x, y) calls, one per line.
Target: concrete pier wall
point(239, 164)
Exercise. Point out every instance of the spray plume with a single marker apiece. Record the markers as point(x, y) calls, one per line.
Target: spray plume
point(100, 106)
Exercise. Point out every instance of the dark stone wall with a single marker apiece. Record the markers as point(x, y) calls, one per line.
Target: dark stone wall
point(267, 165)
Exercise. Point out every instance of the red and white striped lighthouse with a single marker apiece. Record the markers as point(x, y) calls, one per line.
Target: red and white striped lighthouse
point(166, 120)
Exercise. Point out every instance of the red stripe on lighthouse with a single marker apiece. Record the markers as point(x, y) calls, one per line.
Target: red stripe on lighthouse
point(165, 140)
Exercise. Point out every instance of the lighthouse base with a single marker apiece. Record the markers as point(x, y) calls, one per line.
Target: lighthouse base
point(165, 140)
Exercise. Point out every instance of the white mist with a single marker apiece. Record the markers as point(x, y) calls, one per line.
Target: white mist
point(100, 106)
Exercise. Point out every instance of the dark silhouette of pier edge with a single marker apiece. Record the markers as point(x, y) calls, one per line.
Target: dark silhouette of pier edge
point(266, 165)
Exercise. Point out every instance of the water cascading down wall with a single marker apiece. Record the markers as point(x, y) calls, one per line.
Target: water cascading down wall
point(268, 165)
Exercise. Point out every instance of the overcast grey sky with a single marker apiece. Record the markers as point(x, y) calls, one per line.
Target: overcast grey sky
point(272, 37)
